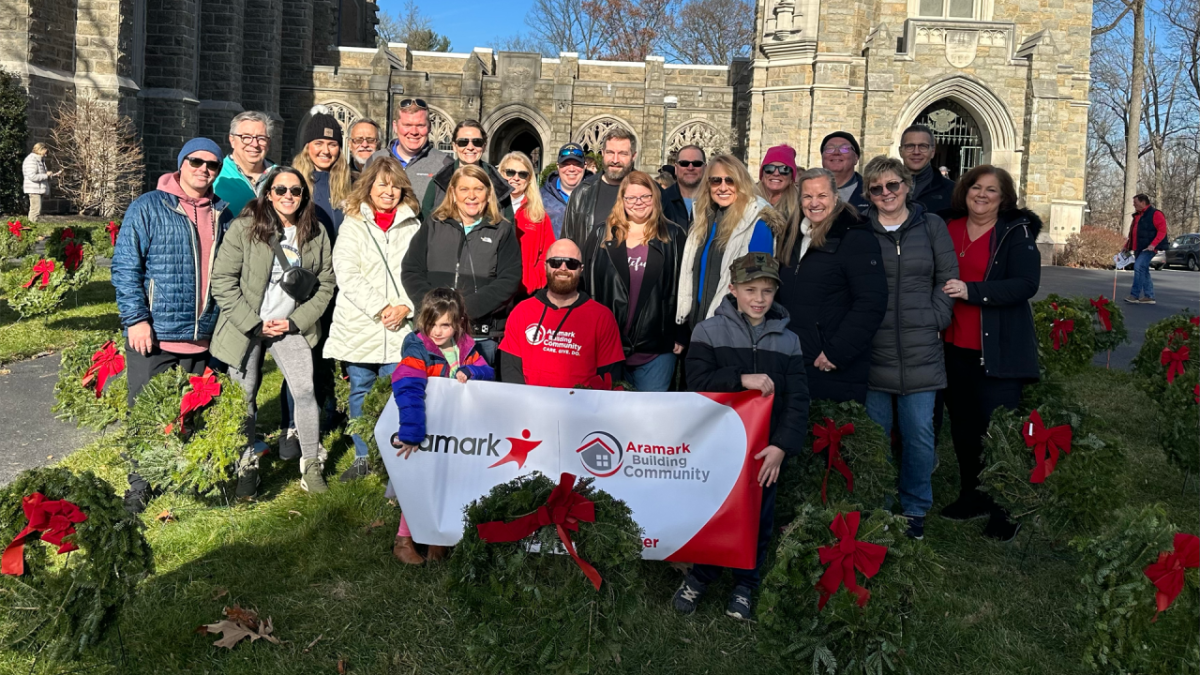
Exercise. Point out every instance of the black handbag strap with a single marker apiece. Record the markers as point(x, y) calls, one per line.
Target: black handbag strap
point(279, 254)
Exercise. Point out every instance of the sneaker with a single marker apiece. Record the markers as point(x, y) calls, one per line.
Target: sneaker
point(688, 594)
point(1132, 299)
point(739, 604)
point(916, 527)
point(289, 445)
point(1147, 301)
point(359, 469)
point(1001, 528)
point(966, 507)
point(311, 479)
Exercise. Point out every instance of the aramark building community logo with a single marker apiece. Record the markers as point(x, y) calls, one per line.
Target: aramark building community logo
point(602, 455)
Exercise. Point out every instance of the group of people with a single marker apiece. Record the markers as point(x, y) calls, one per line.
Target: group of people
point(894, 287)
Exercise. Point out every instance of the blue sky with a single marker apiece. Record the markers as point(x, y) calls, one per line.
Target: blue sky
point(470, 23)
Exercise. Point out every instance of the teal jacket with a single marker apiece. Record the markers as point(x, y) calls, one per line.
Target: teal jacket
point(233, 186)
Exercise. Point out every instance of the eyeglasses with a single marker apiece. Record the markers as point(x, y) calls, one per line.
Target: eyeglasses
point(716, 181)
point(690, 164)
point(914, 147)
point(196, 163)
point(249, 139)
point(282, 190)
point(571, 263)
point(838, 150)
point(777, 168)
point(409, 102)
point(363, 140)
point(464, 142)
point(638, 199)
point(892, 186)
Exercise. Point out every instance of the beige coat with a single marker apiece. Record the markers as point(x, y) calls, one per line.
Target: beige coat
point(362, 260)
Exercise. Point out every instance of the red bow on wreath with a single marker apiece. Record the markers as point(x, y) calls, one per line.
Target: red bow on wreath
point(204, 389)
point(1103, 312)
point(846, 556)
point(112, 228)
point(1195, 320)
point(106, 362)
point(830, 436)
point(601, 383)
point(51, 521)
point(44, 268)
point(1059, 331)
point(564, 509)
point(1166, 573)
point(14, 228)
point(1045, 442)
point(73, 254)
point(67, 233)
point(1174, 361)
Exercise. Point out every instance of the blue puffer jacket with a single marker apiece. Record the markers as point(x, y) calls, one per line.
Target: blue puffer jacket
point(156, 268)
point(553, 200)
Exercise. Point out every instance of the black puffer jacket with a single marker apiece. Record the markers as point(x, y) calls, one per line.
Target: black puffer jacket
point(606, 278)
point(919, 258)
point(837, 295)
point(1013, 275)
point(675, 209)
point(933, 191)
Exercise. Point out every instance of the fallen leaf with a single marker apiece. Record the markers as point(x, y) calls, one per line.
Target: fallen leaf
point(201, 630)
point(374, 524)
point(310, 645)
point(165, 517)
point(343, 668)
point(246, 617)
point(231, 633)
point(294, 513)
point(220, 593)
point(239, 625)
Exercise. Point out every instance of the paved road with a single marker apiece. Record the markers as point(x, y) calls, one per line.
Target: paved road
point(31, 435)
point(1174, 289)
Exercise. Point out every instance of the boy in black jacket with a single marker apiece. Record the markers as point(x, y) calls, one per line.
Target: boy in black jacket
point(746, 345)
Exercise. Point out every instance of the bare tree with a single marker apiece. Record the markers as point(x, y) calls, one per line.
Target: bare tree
point(631, 28)
point(1137, 75)
point(411, 27)
point(711, 31)
point(564, 26)
point(100, 155)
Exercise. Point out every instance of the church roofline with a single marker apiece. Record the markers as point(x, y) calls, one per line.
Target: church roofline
point(695, 66)
point(446, 55)
point(593, 62)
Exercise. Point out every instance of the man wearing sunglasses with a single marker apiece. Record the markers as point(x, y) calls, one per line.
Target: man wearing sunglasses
point(839, 154)
point(562, 183)
point(561, 337)
point(421, 161)
point(160, 270)
point(677, 199)
point(250, 138)
point(932, 190)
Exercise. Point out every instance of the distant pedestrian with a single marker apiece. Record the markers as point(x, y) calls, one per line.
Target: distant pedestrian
point(37, 180)
point(1147, 234)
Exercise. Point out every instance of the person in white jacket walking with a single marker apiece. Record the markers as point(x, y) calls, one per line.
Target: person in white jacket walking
point(37, 179)
point(372, 313)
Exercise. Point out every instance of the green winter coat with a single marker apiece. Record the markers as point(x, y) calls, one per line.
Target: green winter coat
point(240, 277)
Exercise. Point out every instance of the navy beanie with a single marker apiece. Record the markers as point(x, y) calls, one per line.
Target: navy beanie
point(846, 135)
point(196, 145)
point(321, 125)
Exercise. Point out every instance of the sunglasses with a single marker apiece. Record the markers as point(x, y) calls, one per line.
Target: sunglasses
point(571, 152)
point(690, 163)
point(464, 142)
point(419, 102)
point(777, 168)
point(282, 190)
point(571, 263)
point(716, 181)
point(892, 186)
point(513, 173)
point(196, 163)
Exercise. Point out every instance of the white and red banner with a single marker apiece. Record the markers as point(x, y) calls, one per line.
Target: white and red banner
point(683, 462)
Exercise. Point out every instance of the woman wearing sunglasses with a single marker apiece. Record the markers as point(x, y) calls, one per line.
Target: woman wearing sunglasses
point(470, 141)
point(635, 273)
point(535, 233)
point(465, 244)
point(728, 222)
point(907, 363)
point(272, 279)
point(777, 183)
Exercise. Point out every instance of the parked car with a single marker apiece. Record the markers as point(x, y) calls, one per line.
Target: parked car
point(1158, 262)
point(1184, 251)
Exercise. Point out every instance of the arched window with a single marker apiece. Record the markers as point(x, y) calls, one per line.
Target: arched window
point(343, 113)
point(441, 128)
point(959, 146)
point(593, 132)
point(700, 133)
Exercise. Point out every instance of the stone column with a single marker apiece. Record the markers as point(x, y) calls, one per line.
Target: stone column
point(296, 80)
point(261, 39)
point(220, 88)
point(654, 117)
point(169, 102)
point(565, 74)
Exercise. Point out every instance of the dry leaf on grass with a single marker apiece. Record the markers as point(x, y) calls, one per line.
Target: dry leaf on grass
point(220, 593)
point(374, 524)
point(165, 517)
point(343, 667)
point(239, 625)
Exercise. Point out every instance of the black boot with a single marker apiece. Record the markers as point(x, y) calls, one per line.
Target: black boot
point(138, 495)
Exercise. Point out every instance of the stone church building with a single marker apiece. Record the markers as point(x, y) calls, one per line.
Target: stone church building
point(1000, 81)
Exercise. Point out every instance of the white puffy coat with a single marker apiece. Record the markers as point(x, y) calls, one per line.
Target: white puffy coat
point(362, 259)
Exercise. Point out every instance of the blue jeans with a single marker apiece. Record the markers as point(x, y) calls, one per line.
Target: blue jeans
point(653, 376)
point(362, 379)
point(1142, 286)
point(916, 432)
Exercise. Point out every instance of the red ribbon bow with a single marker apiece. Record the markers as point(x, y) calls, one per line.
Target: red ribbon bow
point(1174, 361)
point(67, 233)
point(50, 521)
point(14, 228)
point(564, 509)
point(1045, 442)
point(1102, 312)
point(106, 362)
point(43, 267)
point(844, 557)
point(830, 436)
point(73, 254)
point(1195, 320)
point(601, 383)
point(112, 228)
point(1059, 331)
point(204, 389)
point(1166, 573)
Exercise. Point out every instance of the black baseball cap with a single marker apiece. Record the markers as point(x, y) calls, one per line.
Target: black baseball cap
point(571, 151)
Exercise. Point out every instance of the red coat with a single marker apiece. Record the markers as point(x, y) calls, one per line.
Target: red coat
point(535, 239)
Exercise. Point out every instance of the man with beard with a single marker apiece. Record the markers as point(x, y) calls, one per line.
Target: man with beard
point(561, 337)
point(677, 199)
point(592, 203)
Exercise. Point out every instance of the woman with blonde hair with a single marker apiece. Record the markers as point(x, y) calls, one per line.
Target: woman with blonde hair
point(372, 313)
point(321, 162)
point(635, 273)
point(535, 233)
point(729, 221)
point(465, 244)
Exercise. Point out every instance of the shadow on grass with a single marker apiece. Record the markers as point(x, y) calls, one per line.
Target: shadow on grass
point(99, 322)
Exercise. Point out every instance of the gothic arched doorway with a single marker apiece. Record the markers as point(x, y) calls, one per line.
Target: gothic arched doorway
point(516, 135)
point(960, 146)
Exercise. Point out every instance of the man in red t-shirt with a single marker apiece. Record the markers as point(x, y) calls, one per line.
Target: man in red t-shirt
point(560, 337)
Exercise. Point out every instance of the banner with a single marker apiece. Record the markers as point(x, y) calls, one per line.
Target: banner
point(683, 462)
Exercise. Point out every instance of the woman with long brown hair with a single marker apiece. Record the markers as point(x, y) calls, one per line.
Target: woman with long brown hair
point(635, 272)
point(266, 306)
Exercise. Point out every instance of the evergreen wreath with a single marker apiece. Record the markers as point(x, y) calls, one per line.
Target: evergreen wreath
point(74, 400)
point(1106, 339)
point(1171, 380)
point(65, 603)
point(364, 425)
point(537, 612)
point(1079, 492)
point(1175, 332)
point(865, 451)
point(202, 453)
point(1118, 609)
point(72, 249)
point(25, 292)
point(843, 638)
point(17, 240)
point(1059, 320)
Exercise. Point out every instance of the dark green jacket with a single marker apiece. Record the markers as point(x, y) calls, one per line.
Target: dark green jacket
point(239, 281)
